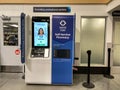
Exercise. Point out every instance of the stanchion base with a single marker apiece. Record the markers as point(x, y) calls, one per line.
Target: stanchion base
point(23, 77)
point(88, 85)
point(109, 76)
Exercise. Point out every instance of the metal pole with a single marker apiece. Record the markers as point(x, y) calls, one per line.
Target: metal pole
point(88, 84)
point(109, 68)
point(88, 75)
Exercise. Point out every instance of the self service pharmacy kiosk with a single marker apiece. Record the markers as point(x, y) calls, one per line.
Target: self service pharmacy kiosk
point(49, 47)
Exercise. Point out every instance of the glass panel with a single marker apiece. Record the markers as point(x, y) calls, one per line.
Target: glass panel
point(10, 34)
point(116, 41)
point(116, 55)
point(92, 38)
point(117, 33)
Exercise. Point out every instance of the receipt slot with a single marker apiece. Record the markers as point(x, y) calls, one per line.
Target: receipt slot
point(63, 28)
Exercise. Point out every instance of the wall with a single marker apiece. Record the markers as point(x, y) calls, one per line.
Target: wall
point(80, 10)
point(111, 6)
point(55, 1)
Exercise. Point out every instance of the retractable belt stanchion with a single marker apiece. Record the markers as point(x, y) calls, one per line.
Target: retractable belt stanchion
point(23, 77)
point(109, 68)
point(88, 84)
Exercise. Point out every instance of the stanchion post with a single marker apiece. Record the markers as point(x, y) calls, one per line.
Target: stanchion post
point(88, 84)
point(109, 68)
point(23, 77)
point(88, 69)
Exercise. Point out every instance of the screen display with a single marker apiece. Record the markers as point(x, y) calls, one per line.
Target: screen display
point(40, 34)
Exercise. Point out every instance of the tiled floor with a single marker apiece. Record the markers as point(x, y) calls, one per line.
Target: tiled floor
point(13, 81)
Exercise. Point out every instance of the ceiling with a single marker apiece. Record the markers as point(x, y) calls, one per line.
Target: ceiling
point(54, 1)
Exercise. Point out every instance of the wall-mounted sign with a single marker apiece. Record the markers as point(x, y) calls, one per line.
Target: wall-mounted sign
point(17, 52)
point(116, 13)
point(51, 9)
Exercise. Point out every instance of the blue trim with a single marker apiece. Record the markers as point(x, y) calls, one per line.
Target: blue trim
point(74, 28)
point(22, 38)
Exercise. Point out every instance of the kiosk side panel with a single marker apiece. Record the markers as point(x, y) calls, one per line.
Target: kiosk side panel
point(62, 49)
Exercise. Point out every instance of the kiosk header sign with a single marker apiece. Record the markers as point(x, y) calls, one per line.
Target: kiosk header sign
point(52, 9)
point(63, 29)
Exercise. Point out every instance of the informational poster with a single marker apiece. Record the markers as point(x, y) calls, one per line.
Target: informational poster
point(10, 34)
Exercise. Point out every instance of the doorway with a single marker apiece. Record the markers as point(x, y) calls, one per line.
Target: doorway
point(10, 41)
point(93, 38)
point(116, 45)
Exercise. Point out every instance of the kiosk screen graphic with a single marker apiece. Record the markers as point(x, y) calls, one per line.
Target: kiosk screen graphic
point(40, 32)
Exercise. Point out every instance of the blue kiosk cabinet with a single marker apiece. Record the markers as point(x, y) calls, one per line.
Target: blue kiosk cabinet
point(63, 28)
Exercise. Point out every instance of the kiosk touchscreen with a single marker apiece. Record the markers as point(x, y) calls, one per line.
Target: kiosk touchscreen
point(40, 36)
